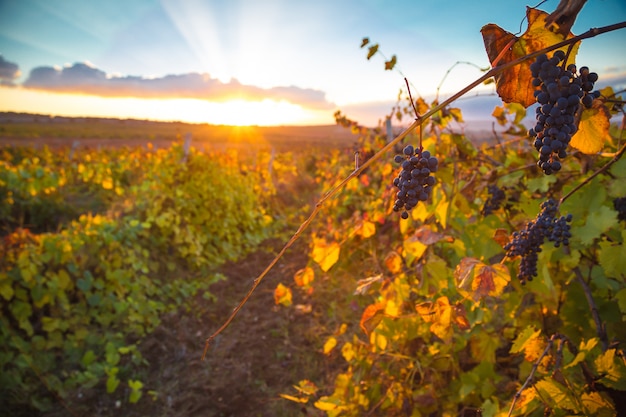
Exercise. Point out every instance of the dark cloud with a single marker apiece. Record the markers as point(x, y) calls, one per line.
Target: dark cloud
point(8, 72)
point(86, 79)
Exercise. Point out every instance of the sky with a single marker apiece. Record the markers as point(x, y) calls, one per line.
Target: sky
point(260, 62)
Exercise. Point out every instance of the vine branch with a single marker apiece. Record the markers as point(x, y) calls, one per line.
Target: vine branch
point(616, 158)
point(389, 146)
point(600, 329)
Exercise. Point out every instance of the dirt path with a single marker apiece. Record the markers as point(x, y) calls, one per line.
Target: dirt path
point(265, 351)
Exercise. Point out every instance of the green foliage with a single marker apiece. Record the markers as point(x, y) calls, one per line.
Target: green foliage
point(77, 301)
point(445, 324)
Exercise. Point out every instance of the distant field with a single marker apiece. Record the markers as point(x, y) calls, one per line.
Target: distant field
point(39, 130)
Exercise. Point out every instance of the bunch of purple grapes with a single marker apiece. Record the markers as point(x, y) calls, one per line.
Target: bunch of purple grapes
point(559, 94)
point(495, 200)
point(414, 181)
point(620, 206)
point(527, 242)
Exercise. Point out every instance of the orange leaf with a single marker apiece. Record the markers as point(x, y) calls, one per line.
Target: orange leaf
point(479, 280)
point(593, 130)
point(372, 316)
point(514, 84)
point(394, 263)
point(304, 277)
point(441, 315)
point(490, 280)
point(501, 236)
point(282, 295)
point(464, 272)
point(460, 317)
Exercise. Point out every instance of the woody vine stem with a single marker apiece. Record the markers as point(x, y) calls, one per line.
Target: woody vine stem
point(417, 123)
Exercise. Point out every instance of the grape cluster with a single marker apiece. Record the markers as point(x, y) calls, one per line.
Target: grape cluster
point(414, 181)
point(559, 94)
point(494, 201)
point(527, 242)
point(620, 206)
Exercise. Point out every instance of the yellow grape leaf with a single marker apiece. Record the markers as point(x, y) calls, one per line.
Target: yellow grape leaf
point(595, 404)
point(440, 314)
point(413, 247)
point(347, 351)
point(558, 393)
point(514, 84)
point(593, 130)
point(107, 183)
point(372, 316)
point(394, 263)
point(330, 344)
point(302, 400)
point(427, 311)
point(282, 295)
point(442, 212)
point(327, 404)
point(306, 387)
point(304, 277)
point(367, 229)
point(534, 347)
point(325, 254)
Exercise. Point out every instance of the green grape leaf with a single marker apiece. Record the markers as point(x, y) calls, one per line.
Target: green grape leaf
point(483, 347)
point(135, 394)
point(621, 300)
point(6, 289)
point(598, 222)
point(612, 259)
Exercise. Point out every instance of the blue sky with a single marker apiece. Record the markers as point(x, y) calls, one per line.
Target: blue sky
point(299, 60)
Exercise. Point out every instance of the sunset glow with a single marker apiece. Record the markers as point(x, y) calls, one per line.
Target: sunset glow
point(234, 112)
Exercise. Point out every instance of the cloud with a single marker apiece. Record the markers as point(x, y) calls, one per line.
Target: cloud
point(84, 78)
point(8, 72)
